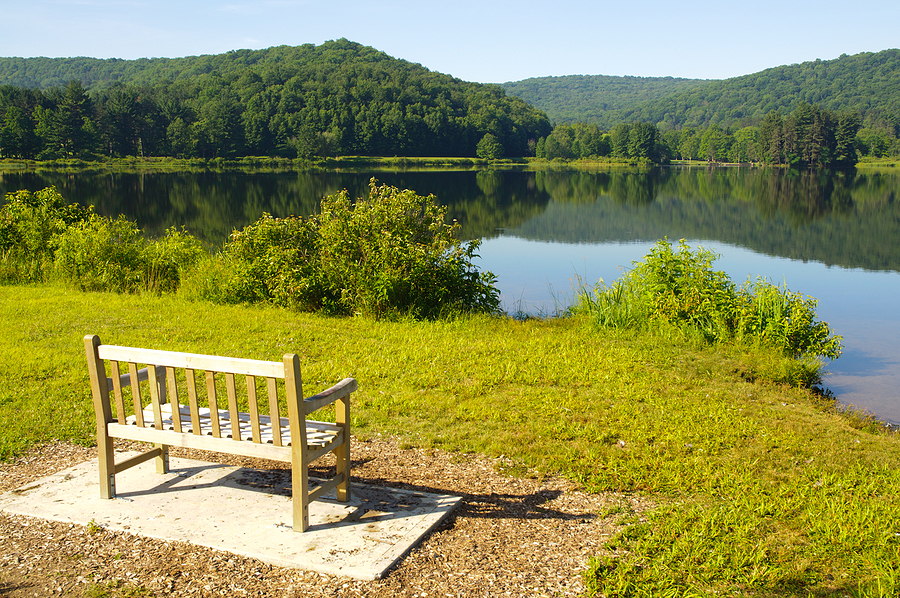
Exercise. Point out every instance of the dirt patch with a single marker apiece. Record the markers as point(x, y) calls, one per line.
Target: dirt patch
point(510, 536)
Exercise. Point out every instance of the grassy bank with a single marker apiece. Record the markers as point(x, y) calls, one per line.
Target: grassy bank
point(760, 489)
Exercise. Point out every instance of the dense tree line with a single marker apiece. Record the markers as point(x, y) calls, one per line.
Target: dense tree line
point(591, 98)
point(868, 83)
point(339, 98)
point(810, 136)
point(628, 141)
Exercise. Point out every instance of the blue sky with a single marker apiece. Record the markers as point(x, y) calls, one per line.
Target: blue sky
point(484, 41)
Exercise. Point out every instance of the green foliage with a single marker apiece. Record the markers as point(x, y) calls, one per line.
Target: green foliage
point(589, 98)
point(781, 318)
point(715, 144)
point(101, 254)
point(30, 227)
point(867, 83)
point(339, 98)
point(488, 148)
point(679, 288)
point(810, 136)
point(386, 255)
point(635, 141)
point(41, 235)
point(104, 254)
point(272, 260)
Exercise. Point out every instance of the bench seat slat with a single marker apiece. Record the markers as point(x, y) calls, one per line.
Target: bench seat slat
point(203, 443)
point(318, 434)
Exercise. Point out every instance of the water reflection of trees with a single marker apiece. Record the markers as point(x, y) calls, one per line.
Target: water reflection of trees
point(802, 195)
point(211, 204)
point(846, 218)
point(580, 187)
point(842, 218)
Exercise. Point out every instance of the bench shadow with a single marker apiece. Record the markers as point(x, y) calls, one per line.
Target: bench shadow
point(177, 480)
point(8, 588)
point(484, 505)
point(372, 501)
point(494, 505)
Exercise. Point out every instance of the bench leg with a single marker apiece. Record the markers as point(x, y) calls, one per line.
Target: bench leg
point(300, 491)
point(107, 461)
point(342, 453)
point(162, 461)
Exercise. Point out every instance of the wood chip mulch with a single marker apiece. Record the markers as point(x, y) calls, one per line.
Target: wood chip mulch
point(509, 537)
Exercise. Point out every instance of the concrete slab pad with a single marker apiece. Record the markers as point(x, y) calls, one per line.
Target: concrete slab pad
point(241, 510)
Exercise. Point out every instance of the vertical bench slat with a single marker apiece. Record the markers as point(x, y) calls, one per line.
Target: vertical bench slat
point(155, 398)
point(293, 390)
point(172, 391)
point(274, 416)
point(192, 399)
point(232, 406)
point(254, 408)
point(160, 383)
point(342, 452)
point(117, 391)
point(136, 394)
point(213, 404)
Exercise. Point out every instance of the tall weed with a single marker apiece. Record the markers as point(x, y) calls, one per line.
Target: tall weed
point(104, 254)
point(677, 287)
point(776, 316)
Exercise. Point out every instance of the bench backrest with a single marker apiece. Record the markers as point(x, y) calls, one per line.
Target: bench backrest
point(142, 381)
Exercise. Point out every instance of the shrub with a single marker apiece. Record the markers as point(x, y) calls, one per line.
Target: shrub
point(680, 288)
point(101, 254)
point(30, 226)
point(104, 254)
point(273, 259)
point(776, 316)
point(386, 255)
point(167, 260)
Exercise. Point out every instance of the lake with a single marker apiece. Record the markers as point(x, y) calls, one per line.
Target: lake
point(833, 236)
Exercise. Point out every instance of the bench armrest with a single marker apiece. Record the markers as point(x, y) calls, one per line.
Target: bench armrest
point(143, 375)
point(340, 390)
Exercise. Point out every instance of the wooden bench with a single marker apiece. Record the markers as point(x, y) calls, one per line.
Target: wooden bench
point(143, 407)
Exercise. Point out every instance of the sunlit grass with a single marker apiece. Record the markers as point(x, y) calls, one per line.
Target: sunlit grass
point(760, 489)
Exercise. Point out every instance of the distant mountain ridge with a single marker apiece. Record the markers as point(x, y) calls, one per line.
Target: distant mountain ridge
point(867, 82)
point(589, 98)
point(96, 73)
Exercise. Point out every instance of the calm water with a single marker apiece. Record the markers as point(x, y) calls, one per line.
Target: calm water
point(834, 237)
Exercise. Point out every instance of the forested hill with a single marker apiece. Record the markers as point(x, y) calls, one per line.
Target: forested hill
point(593, 98)
point(338, 98)
point(867, 82)
point(272, 65)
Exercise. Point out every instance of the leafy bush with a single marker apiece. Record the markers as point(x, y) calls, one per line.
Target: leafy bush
point(389, 254)
point(103, 254)
point(680, 288)
point(272, 260)
point(776, 316)
point(30, 226)
point(167, 260)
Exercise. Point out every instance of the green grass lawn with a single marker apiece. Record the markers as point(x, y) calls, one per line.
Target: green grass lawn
point(760, 489)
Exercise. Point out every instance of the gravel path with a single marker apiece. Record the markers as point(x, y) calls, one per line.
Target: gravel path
point(509, 537)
